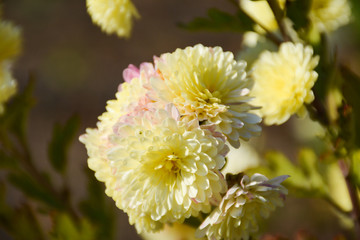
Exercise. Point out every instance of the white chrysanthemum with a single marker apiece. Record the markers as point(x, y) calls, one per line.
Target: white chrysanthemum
point(328, 15)
point(10, 46)
point(283, 82)
point(156, 168)
point(241, 208)
point(165, 170)
point(113, 16)
point(209, 85)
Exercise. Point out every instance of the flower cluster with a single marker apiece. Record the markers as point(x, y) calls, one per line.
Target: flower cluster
point(113, 16)
point(324, 15)
point(161, 143)
point(241, 208)
point(10, 45)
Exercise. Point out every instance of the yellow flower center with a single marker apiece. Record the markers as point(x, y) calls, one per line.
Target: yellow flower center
point(169, 163)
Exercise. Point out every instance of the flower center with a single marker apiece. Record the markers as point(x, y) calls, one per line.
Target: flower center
point(170, 164)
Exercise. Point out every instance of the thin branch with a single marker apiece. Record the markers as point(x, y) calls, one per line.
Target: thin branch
point(279, 17)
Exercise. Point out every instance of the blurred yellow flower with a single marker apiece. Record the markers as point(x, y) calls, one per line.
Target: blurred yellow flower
point(174, 231)
point(261, 12)
point(10, 40)
point(241, 208)
point(207, 84)
point(113, 16)
point(283, 82)
point(328, 15)
point(10, 47)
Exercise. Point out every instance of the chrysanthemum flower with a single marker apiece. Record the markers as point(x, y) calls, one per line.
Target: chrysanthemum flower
point(328, 15)
point(207, 84)
point(283, 82)
point(156, 167)
point(241, 208)
point(113, 16)
point(10, 46)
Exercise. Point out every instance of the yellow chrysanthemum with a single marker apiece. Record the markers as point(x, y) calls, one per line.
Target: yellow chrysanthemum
point(283, 82)
point(207, 84)
point(10, 45)
point(113, 16)
point(328, 15)
point(241, 208)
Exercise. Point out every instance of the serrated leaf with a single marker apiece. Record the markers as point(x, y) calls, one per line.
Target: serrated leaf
point(298, 12)
point(219, 21)
point(33, 190)
point(61, 141)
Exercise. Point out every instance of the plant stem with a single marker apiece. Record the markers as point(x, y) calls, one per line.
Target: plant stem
point(279, 16)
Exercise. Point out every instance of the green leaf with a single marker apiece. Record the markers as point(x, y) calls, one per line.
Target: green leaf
point(65, 228)
point(32, 189)
point(99, 208)
point(61, 141)
point(305, 177)
point(15, 118)
point(219, 21)
point(298, 12)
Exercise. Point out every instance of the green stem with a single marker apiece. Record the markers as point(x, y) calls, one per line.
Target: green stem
point(279, 16)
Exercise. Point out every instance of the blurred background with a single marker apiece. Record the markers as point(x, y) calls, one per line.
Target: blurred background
point(78, 68)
